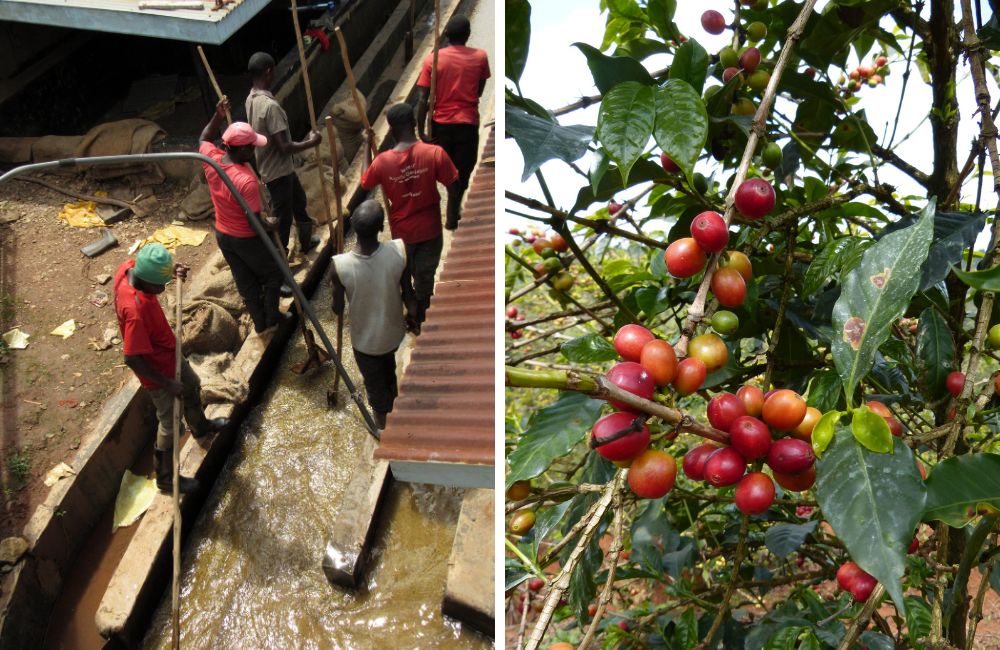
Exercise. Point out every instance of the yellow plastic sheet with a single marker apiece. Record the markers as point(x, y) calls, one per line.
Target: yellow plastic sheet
point(173, 236)
point(134, 497)
point(16, 339)
point(81, 215)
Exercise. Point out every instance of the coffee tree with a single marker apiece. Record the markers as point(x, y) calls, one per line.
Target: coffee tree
point(751, 385)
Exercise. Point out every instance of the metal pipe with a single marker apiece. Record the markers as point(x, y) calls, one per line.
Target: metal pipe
point(254, 223)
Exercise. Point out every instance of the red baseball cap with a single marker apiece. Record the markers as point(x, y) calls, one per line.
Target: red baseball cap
point(239, 134)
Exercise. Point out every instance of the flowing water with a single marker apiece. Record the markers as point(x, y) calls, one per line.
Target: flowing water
point(252, 575)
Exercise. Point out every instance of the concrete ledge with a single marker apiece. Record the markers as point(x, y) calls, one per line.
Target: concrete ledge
point(461, 475)
point(468, 593)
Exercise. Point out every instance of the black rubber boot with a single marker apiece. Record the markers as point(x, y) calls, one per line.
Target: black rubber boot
point(307, 240)
point(164, 467)
point(210, 426)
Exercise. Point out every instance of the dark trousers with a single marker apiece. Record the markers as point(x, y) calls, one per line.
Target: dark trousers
point(258, 278)
point(379, 373)
point(461, 143)
point(421, 264)
point(194, 415)
point(288, 201)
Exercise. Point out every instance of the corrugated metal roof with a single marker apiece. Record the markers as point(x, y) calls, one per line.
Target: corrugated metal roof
point(445, 410)
point(206, 25)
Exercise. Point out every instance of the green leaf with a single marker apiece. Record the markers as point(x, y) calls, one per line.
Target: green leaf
point(957, 487)
point(625, 123)
point(784, 639)
point(824, 264)
point(552, 432)
point(824, 390)
point(541, 140)
point(935, 352)
point(652, 536)
point(785, 539)
point(686, 630)
point(517, 36)
point(608, 71)
point(809, 641)
point(918, 619)
point(610, 184)
point(852, 485)
point(854, 133)
point(582, 585)
point(871, 430)
point(653, 300)
point(823, 431)
point(989, 33)
point(681, 123)
point(874, 295)
point(661, 18)
point(690, 64)
point(988, 280)
point(590, 348)
point(954, 232)
point(877, 641)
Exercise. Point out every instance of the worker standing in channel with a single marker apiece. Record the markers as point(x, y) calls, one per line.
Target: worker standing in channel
point(408, 174)
point(374, 278)
point(149, 346)
point(274, 160)
point(257, 276)
point(461, 77)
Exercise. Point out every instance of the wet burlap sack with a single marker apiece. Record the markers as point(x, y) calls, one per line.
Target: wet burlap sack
point(306, 172)
point(197, 205)
point(208, 328)
point(221, 381)
point(349, 124)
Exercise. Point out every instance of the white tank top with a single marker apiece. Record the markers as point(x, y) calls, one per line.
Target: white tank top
point(375, 299)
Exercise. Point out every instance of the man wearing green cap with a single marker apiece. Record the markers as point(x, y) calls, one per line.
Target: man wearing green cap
point(149, 346)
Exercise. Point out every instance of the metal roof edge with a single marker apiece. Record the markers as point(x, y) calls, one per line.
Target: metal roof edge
point(155, 24)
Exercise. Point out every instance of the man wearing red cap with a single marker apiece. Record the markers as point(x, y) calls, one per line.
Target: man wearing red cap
point(461, 77)
point(149, 346)
point(257, 275)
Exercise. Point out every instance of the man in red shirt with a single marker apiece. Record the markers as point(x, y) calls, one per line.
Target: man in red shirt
point(257, 276)
point(461, 77)
point(408, 174)
point(149, 346)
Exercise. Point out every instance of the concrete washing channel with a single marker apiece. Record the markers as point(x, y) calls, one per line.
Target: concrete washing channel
point(252, 572)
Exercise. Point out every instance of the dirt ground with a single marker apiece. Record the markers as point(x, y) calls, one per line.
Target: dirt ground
point(54, 389)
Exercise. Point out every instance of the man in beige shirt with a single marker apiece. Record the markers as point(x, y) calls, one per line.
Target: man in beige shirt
point(374, 277)
point(274, 161)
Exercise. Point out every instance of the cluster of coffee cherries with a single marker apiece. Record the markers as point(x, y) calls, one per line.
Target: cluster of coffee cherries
point(514, 314)
point(873, 74)
point(773, 427)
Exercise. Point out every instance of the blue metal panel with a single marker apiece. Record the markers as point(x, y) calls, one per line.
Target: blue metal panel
point(124, 17)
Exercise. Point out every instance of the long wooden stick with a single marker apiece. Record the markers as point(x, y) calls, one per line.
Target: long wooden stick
point(331, 136)
point(312, 109)
point(215, 84)
point(434, 69)
point(312, 350)
point(175, 594)
point(354, 91)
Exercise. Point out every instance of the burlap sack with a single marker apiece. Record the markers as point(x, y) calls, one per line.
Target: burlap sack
point(221, 381)
point(197, 205)
point(349, 124)
point(208, 328)
point(306, 172)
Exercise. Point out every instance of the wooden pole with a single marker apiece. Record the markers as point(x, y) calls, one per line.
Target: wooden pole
point(354, 91)
point(215, 84)
point(338, 239)
point(434, 70)
point(175, 594)
point(312, 110)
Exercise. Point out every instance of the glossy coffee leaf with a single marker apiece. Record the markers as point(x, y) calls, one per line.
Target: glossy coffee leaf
point(541, 140)
point(589, 348)
point(681, 123)
point(871, 430)
point(517, 35)
point(935, 352)
point(823, 431)
point(608, 71)
point(875, 294)
point(552, 432)
point(851, 487)
point(987, 280)
point(960, 486)
point(690, 64)
point(625, 123)
point(785, 539)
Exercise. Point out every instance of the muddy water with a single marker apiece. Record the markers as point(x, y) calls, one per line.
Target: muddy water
point(252, 573)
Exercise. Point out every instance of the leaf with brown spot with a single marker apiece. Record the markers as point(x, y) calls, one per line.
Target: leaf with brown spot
point(876, 293)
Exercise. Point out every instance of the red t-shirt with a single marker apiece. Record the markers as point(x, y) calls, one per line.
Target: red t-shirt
point(144, 327)
point(456, 95)
point(229, 216)
point(409, 180)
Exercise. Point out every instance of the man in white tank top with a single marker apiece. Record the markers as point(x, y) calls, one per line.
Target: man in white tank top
point(374, 277)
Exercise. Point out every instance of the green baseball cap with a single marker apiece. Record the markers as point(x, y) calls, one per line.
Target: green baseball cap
point(154, 264)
